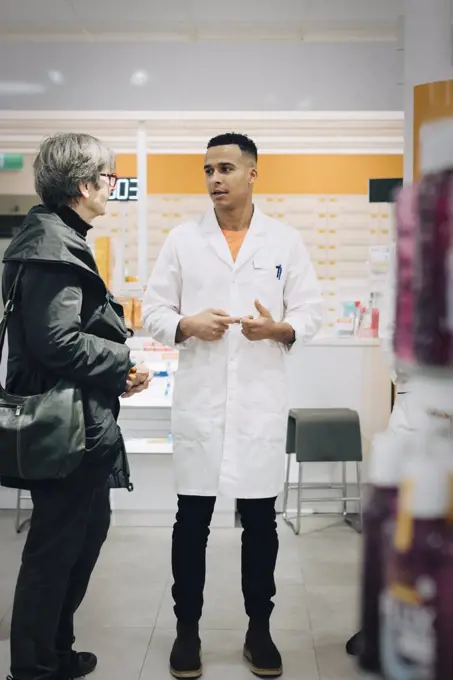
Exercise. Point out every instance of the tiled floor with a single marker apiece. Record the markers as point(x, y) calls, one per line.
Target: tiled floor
point(127, 617)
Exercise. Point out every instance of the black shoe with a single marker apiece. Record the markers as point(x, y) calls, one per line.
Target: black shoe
point(74, 665)
point(353, 645)
point(260, 651)
point(185, 657)
point(82, 664)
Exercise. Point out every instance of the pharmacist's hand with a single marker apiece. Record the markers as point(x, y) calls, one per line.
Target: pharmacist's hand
point(210, 325)
point(261, 328)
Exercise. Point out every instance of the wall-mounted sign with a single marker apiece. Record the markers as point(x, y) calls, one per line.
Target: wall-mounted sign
point(126, 189)
point(383, 190)
point(11, 161)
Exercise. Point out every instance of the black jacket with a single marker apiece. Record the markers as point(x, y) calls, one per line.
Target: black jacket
point(66, 324)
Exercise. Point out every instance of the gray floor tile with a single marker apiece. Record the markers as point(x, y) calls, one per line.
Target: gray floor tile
point(114, 603)
point(136, 552)
point(6, 596)
point(5, 625)
point(121, 651)
point(333, 609)
point(222, 655)
point(4, 658)
point(333, 662)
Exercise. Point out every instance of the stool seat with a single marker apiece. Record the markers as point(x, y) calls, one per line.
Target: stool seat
point(322, 435)
point(328, 435)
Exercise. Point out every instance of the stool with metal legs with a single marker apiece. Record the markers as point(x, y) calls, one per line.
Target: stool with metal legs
point(322, 436)
point(21, 524)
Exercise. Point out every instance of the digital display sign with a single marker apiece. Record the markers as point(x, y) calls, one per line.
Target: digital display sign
point(126, 189)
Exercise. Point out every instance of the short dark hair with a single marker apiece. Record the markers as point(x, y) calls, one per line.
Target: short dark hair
point(245, 144)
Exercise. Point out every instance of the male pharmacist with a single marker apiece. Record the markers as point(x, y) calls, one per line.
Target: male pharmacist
point(235, 291)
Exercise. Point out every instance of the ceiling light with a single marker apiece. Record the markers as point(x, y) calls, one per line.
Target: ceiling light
point(20, 88)
point(56, 77)
point(139, 78)
point(304, 104)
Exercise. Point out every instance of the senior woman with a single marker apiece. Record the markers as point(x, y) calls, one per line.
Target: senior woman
point(66, 325)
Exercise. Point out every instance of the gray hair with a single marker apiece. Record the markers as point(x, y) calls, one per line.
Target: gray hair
point(65, 161)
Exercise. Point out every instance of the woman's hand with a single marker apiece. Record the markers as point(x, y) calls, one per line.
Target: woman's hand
point(139, 379)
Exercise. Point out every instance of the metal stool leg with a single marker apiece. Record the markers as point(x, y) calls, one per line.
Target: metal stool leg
point(294, 526)
point(299, 500)
point(359, 488)
point(345, 488)
point(286, 490)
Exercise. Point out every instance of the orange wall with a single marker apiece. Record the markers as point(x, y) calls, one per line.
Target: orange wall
point(432, 102)
point(278, 174)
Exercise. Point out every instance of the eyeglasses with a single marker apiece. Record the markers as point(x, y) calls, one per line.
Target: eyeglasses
point(112, 178)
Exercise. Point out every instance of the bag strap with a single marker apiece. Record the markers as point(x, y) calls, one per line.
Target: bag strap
point(9, 307)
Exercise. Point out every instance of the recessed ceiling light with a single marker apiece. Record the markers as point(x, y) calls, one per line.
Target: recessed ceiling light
point(20, 88)
point(56, 77)
point(304, 104)
point(139, 78)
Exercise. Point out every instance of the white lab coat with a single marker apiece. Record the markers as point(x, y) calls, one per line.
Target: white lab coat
point(230, 405)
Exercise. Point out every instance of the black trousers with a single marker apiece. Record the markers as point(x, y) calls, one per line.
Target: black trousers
point(259, 555)
point(69, 524)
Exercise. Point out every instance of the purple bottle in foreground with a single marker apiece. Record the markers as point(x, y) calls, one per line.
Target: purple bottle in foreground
point(417, 607)
point(378, 520)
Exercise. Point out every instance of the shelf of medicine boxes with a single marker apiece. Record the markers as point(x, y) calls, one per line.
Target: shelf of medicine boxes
point(145, 419)
point(337, 230)
point(338, 233)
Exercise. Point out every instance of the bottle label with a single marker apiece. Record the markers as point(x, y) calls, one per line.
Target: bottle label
point(408, 640)
point(404, 532)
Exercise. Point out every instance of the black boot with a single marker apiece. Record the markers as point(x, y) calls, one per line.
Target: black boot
point(259, 649)
point(353, 645)
point(74, 665)
point(185, 657)
point(82, 664)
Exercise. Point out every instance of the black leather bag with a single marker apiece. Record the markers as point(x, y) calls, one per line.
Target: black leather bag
point(42, 436)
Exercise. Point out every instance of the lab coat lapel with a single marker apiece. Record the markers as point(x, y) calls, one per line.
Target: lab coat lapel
point(216, 240)
point(254, 239)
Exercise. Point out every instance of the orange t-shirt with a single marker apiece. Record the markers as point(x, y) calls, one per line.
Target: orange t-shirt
point(235, 239)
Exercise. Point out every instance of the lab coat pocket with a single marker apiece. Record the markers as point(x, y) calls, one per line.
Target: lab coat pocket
point(267, 284)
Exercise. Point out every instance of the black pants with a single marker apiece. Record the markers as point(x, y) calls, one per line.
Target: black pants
point(259, 555)
point(68, 527)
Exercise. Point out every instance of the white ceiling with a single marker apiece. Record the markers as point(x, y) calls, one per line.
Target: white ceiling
point(195, 20)
point(200, 55)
